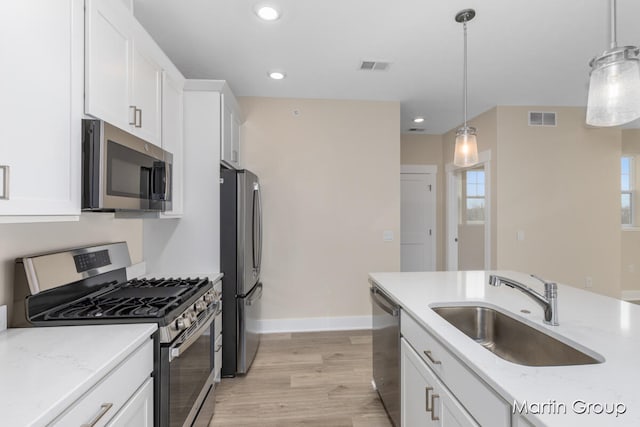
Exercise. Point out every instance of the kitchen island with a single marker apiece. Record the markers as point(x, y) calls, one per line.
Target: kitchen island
point(579, 395)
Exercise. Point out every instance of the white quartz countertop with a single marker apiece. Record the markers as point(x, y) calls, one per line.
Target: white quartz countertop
point(45, 370)
point(604, 325)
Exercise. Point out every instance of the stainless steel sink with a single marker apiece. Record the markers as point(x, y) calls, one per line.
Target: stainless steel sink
point(513, 340)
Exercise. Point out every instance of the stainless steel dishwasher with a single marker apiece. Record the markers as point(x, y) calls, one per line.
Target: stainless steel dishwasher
point(386, 351)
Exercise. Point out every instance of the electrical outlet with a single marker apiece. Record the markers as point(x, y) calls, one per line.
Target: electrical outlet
point(588, 282)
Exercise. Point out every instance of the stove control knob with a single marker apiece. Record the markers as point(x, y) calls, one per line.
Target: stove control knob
point(192, 316)
point(181, 324)
point(200, 306)
point(209, 297)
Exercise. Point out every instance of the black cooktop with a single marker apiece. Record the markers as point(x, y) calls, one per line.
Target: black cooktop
point(134, 300)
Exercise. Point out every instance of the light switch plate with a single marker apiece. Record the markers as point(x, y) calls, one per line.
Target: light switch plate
point(3, 317)
point(387, 236)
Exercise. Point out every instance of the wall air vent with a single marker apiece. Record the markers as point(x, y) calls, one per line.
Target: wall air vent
point(374, 65)
point(540, 118)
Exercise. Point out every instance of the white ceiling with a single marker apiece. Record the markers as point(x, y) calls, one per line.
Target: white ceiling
point(521, 52)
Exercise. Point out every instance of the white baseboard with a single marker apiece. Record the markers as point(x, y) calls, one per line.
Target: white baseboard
point(312, 324)
point(631, 295)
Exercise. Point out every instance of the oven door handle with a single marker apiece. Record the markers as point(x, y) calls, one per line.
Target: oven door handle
point(177, 350)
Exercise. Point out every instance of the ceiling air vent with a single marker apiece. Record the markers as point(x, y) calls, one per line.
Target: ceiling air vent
point(540, 118)
point(374, 65)
point(416, 129)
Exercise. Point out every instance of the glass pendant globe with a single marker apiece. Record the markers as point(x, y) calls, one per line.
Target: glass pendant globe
point(614, 90)
point(466, 148)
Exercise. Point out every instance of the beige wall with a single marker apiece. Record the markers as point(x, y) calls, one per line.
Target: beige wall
point(560, 185)
point(630, 261)
point(423, 149)
point(330, 178)
point(25, 239)
point(487, 136)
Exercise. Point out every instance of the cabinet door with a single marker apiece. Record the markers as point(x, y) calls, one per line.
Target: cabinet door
point(146, 96)
point(172, 119)
point(415, 389)
point(138, 411)
point(425, 400)
point(41, 106)
point(108, 52)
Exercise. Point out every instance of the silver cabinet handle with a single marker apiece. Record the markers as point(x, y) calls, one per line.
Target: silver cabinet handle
point(433, 407)
point(430, 357)
point(426, 399)
point(104, 408)
point(5, 182)
point(132, 114)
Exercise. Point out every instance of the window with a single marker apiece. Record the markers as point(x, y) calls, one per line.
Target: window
point(474, 196)
point(626, 188)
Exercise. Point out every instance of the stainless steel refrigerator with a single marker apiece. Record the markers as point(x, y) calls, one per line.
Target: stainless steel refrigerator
point(240, 260)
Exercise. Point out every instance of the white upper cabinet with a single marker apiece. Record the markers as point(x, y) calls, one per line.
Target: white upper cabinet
point(41, 107)
point(146, 98)
point(230, 138)
point(123, 80)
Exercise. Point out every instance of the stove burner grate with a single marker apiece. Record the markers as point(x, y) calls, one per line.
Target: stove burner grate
point(137, 298)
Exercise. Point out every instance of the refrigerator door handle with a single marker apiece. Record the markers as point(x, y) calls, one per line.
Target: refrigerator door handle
point(257, 228)
point(255, 294)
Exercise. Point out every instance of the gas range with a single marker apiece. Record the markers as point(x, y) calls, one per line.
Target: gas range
point(174, 304)
point(89, 286)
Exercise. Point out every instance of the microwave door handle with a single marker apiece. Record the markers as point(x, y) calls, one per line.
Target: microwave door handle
point(158, 184)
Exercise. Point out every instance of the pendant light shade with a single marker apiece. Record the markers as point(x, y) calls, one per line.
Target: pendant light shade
point(466, 148)
point(614, 84)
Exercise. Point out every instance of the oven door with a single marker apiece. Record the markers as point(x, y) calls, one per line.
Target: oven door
point(187, 392)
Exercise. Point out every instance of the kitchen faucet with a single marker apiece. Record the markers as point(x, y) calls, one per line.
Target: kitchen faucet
point(548, 301)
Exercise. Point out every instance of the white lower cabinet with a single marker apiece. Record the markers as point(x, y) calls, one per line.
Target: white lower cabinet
point(138, 411)
point(425, 400)
point(124, 397)
point(464, 399)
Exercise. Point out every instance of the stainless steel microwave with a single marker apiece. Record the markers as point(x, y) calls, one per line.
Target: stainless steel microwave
point(121, 172)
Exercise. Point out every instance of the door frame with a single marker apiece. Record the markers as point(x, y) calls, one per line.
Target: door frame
point(426, 169)
point(484, 159)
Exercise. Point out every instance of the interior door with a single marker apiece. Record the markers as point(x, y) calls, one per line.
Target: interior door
point(471, 220)
point(417, 223)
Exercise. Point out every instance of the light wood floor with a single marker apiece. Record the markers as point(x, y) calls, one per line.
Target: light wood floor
point(304, 379)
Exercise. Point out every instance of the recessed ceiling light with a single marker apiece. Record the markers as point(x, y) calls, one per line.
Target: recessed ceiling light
point(277, 75)
point(418, 120)
point(267, 13)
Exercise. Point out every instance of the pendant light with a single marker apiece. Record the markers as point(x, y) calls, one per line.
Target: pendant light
point(614, 84)
point(466, 149)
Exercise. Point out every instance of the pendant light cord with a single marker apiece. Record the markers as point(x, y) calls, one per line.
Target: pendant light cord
point(613, 25)
point(465, 74)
